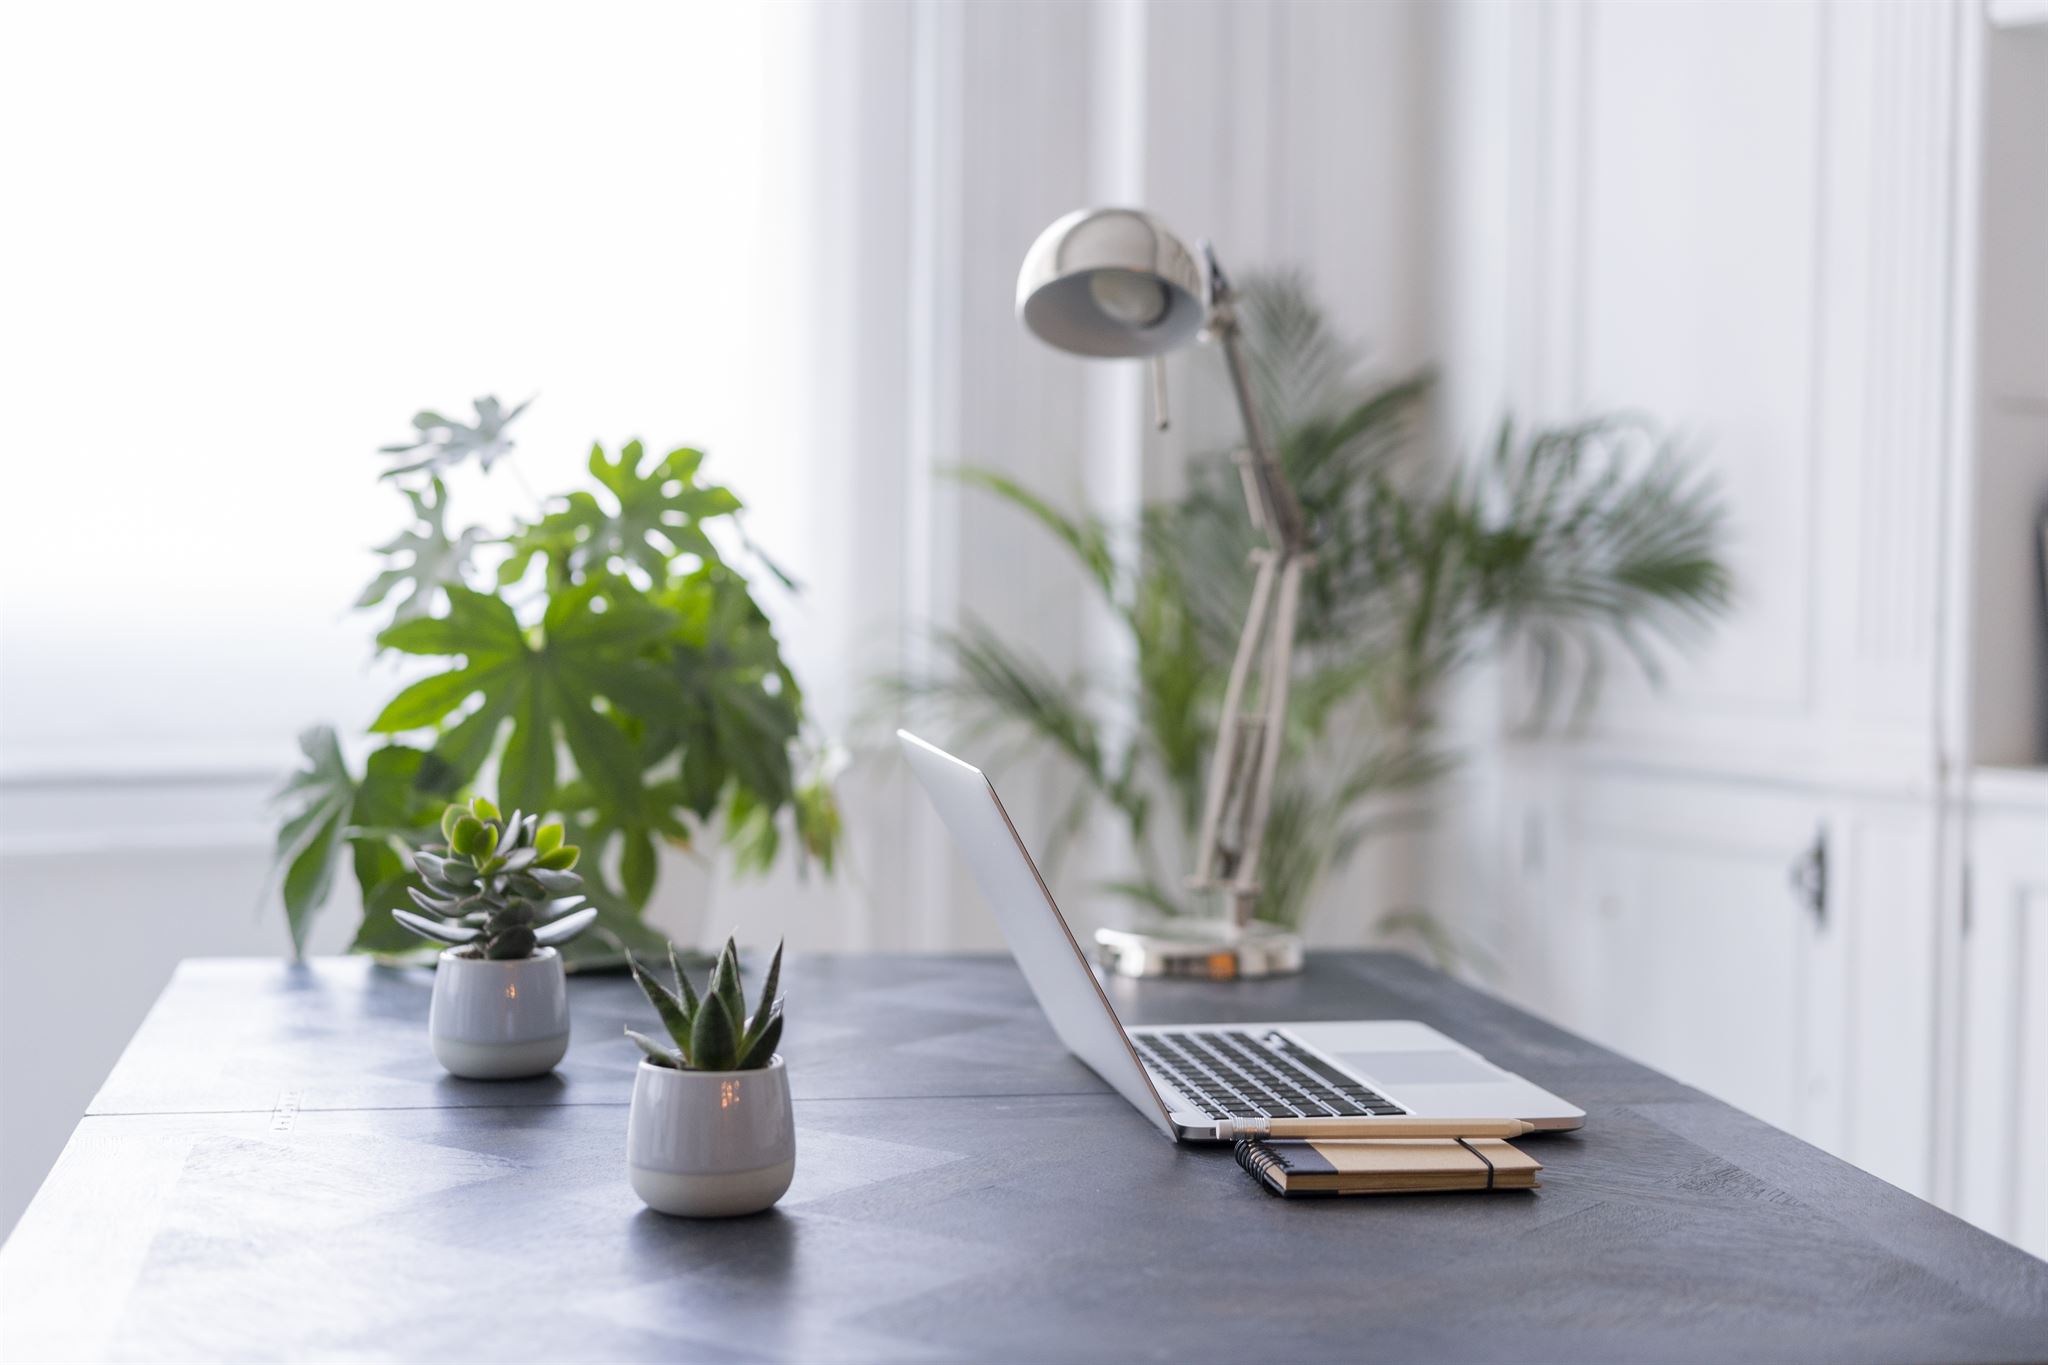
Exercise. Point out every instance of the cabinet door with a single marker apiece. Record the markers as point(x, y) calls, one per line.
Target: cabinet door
point(1743, 222)
point(1770, 946)
point(2000, 1185)
point(1679, 941)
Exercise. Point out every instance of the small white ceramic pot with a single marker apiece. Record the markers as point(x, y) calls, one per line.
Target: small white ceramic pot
point(494, 1021)
point(710, 1144)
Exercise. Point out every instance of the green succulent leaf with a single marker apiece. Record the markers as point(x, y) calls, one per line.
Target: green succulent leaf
point(656, 1052)
point(557, 932)
point(674, 1017)
point(554, 883)
point(725, 983)
point(438, 930)
point(769, 985)
point(438, 905)
point(760, 1048)
point(514, 914)
point(689, 993)
point(561, 860)
point(512, 943)
point(714, 1037)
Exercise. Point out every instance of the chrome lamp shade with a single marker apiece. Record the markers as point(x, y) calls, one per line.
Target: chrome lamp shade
point(1112, 282)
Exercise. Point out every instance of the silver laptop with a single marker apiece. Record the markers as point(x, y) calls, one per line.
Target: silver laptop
point(1192, 1079)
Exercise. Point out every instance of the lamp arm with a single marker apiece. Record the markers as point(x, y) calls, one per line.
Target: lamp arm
point(1248, 743)
point(1279, 511)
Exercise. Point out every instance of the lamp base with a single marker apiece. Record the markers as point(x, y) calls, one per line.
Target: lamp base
point(1203, 949)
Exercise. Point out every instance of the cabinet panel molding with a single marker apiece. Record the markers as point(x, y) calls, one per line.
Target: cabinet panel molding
point(1743, 225)
point(2004, 1092)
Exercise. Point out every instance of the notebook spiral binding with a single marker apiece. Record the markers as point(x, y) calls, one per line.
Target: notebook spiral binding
point(1260, 1160)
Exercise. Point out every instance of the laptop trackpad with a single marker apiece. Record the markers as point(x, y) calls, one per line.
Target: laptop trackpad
point(1438, 1066)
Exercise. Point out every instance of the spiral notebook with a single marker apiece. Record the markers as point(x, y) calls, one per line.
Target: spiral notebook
point(1294, 1167)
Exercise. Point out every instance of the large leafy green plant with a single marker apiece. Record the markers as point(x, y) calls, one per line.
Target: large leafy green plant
point(612, 665)
point(1569, 539)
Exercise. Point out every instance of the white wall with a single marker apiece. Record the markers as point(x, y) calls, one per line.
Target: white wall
point(786, 233)
point(247, 243)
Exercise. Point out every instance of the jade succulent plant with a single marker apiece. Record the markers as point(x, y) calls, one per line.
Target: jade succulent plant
point(500, 887)
point(712, 1032)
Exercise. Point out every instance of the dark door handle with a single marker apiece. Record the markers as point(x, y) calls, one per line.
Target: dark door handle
point(1810, 876)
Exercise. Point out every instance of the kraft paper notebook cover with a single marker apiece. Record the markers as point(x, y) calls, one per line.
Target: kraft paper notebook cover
point(1293, 1167)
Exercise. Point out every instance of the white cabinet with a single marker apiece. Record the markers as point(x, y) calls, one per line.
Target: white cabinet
point(1770, 945)
point(1683, 944)
point(1810, 236)
point(2003, 1040)
point(1740, 219)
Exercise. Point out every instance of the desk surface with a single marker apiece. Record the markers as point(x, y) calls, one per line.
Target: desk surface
point(276, 1168)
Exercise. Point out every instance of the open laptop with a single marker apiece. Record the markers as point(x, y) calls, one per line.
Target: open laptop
point(1190, 1078)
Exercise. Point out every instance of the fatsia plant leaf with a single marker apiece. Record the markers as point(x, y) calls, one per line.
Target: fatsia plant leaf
point(653, 515)
point(381, 935)
point(319, 798)
point(618, 930)
point(444, 442)
point(590, 648)
point(379, 818)
point(423, 561)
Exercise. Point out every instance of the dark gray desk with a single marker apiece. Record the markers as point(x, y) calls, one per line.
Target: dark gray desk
point(276, 1169)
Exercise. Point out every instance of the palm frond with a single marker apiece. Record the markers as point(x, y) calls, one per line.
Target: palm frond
point(1087, 535)
point(1577, 541)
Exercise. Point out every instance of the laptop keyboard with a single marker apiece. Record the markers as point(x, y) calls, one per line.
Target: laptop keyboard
point(1228, 1073)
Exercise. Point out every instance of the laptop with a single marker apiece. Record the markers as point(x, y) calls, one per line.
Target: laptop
point(1193, 1080)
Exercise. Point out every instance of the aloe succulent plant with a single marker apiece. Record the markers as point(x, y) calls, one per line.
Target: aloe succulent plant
point(713, 1032)
point(499, 887)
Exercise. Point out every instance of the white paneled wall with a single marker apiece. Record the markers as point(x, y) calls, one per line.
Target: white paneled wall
point(1809, 235)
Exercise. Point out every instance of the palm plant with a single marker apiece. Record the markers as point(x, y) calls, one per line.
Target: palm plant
point(1568, 539)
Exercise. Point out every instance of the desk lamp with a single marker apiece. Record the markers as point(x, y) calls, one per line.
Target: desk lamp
point(1116, 282)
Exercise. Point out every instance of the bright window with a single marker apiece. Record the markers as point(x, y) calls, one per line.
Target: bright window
point(239, 254)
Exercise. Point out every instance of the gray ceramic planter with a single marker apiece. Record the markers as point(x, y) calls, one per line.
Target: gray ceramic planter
point(496, 1021)
point(710, 1144)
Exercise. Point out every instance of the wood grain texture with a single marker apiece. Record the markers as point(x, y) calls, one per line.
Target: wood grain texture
point(276, 1169)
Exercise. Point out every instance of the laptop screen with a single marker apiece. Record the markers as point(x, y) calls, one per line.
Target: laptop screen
point(1037, 933)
